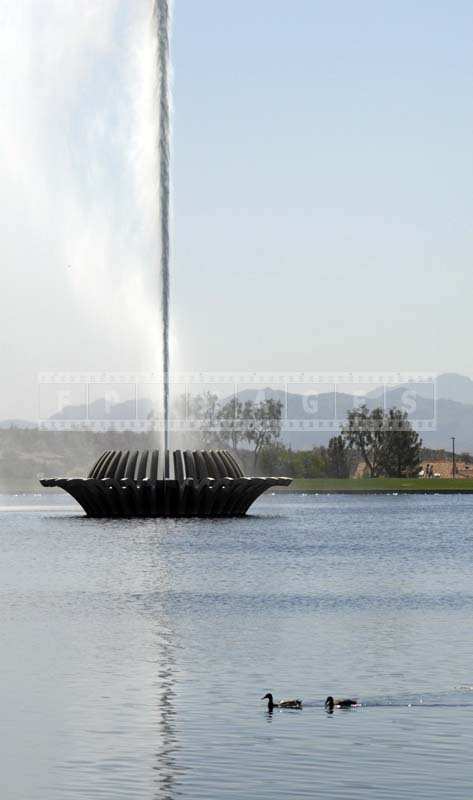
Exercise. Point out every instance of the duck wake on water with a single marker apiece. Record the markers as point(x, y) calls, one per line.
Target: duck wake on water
point(456, 698)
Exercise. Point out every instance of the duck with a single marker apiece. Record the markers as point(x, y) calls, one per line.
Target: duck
point(282, 703)
point(347, 702)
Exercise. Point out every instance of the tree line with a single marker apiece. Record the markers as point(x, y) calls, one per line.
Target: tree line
point(383, 440)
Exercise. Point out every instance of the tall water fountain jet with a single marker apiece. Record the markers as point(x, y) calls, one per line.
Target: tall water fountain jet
point(189, 483)
point(162, 19)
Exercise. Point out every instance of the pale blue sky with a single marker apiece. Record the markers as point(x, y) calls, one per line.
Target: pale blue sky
point(322, 187)
point(323, 183)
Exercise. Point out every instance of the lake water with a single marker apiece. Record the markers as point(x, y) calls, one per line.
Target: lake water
point(135, 653)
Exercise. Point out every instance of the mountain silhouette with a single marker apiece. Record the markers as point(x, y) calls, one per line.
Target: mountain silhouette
point(447, 409)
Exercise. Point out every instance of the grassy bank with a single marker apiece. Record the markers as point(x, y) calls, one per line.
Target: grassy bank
point(381, 485)
point(322, 485)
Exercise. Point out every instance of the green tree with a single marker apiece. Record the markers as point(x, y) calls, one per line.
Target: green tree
point(262, 424)
point(230, 417)
point(203, 409)
point(401, 453)
point(276, 460)
point(310, 463)
point(338, 458)
point(385, 439)
point(364, 433)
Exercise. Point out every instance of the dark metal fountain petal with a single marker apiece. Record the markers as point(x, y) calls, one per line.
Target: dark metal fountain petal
point(131, 484)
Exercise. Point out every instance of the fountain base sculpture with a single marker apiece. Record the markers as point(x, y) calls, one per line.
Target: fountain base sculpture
point(199, 483)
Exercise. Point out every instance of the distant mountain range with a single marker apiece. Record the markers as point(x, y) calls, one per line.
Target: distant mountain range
point(449, 386)
point(449, 407)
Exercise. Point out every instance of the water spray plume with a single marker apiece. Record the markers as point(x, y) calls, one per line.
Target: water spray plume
point(133, 483)
point(162, 17)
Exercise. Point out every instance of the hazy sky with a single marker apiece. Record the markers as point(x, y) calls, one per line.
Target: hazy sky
point(322, 187)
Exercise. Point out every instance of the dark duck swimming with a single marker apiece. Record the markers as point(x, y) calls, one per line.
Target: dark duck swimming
point(347, 702)
point(281, 703)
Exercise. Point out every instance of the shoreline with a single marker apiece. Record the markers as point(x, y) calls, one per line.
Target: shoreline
point(375, 491)
point(367, 486)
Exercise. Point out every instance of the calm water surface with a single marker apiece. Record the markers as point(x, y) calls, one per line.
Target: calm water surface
point(135, 653)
